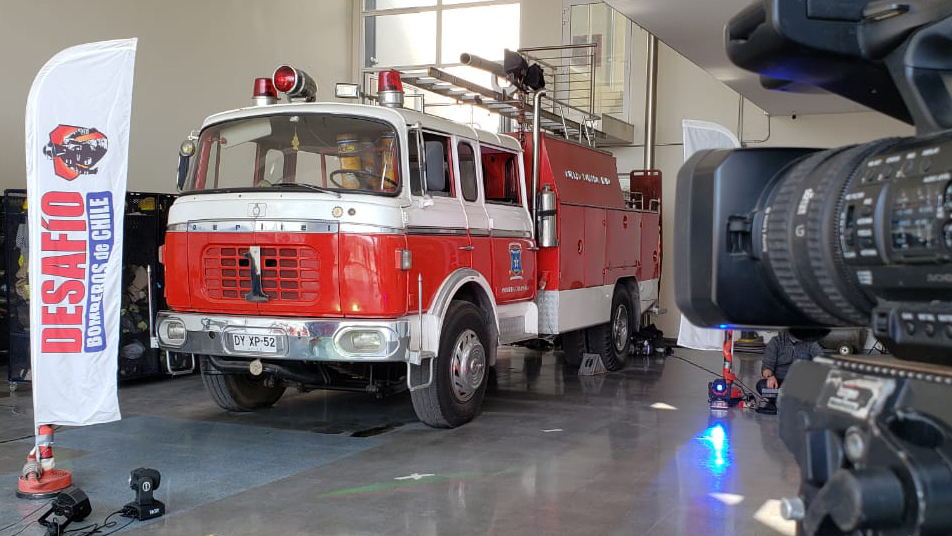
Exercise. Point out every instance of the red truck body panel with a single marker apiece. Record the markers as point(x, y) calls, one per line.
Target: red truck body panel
point(600, 239)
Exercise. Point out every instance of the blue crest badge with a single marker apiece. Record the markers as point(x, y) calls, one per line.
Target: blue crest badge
point(515, 261)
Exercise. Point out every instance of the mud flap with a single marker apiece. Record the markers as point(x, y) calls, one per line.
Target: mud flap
point(416, 374)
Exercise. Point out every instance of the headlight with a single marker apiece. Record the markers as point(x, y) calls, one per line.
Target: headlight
point(366, 340)
point(172, 332)
point(362, 341)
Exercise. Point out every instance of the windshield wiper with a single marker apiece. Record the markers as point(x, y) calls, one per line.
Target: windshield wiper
point(309, 187)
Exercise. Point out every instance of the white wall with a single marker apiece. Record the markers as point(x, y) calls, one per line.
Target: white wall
point(194, 59)
point(687, 92)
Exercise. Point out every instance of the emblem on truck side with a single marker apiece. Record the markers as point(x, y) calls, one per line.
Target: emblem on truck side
point(515, 261)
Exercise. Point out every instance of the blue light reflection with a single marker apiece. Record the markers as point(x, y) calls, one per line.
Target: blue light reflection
point(716, 437)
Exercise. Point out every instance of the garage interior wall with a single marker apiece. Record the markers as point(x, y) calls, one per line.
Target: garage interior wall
point(685, 91)
point(194, 59)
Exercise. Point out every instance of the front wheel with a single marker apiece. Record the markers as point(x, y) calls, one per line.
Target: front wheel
point(460, 371)
point(239, 392)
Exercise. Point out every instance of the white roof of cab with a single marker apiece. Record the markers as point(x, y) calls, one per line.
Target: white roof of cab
point(395, 116)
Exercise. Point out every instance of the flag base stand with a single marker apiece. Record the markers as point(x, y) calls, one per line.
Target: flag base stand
point(48, 485)
point(39, 478)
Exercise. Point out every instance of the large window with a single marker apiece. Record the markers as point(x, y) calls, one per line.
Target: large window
point(592, 21)
point(415, 34)
point(347, 154)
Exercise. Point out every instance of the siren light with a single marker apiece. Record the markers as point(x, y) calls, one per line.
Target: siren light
point(390, 88)
point(264, 92)
point(295, 83)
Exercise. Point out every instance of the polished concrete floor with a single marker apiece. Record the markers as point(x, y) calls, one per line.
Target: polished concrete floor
point(631, 452)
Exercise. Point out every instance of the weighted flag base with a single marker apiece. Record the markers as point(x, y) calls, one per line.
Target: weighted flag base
point(39, 478)
point(48, 485)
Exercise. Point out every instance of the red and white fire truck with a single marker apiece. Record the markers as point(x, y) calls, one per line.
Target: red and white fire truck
point(350, 246)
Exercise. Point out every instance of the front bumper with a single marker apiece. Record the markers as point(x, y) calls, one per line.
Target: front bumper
point(295, 339)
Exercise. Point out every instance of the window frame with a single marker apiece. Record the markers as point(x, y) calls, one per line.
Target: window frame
point(438, 8)
point(449, 163)
point(522, 202)
point(477, 154)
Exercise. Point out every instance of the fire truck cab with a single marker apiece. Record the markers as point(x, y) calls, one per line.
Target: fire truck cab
point(376, 248)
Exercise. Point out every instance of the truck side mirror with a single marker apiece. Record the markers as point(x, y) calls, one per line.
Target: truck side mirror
point(186, 150)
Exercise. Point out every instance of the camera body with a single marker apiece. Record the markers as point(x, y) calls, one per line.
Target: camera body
point(851, 236)
point(858, 235)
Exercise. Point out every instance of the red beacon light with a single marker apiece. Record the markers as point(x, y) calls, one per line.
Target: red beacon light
point(295, 83)
point(264, 92)
point(390, 89)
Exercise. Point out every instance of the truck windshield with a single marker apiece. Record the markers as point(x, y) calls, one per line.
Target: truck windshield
point(346, 154)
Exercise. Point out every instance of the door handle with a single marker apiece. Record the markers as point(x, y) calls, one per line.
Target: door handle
point(467, 248)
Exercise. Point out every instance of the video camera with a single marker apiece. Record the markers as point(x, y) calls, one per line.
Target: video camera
point(852, 236)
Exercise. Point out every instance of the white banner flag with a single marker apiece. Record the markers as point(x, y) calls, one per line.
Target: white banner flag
point(77, 143)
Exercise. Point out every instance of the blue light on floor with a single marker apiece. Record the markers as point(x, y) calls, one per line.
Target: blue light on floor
point(716, 437)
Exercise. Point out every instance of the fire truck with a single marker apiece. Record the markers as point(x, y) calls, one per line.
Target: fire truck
point(379, 248)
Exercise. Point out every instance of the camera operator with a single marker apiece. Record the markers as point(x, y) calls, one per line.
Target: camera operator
point(779, 355)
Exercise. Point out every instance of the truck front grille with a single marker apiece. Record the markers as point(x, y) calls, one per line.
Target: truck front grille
point(287, 272)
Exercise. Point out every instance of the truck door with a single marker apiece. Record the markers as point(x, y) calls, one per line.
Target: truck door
point(477, 220)
point(436, 223)
point(513, 251)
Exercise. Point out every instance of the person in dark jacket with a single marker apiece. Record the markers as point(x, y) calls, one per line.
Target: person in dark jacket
point(779, 355)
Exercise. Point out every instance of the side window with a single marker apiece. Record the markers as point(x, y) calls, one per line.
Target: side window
point(467, 171)
point(500, 176)
point(439, 180)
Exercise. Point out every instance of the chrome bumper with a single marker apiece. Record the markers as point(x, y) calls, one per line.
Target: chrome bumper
point(297, 339)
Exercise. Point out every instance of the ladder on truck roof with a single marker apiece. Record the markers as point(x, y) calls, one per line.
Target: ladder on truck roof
point(583, 126)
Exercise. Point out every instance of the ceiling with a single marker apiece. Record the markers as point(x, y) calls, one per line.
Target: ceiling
point(695, 29)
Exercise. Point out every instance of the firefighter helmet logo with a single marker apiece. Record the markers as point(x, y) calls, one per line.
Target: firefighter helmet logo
point(515, 261)
point(75, 151)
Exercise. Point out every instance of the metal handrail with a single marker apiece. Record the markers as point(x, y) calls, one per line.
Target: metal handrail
point(572, 76)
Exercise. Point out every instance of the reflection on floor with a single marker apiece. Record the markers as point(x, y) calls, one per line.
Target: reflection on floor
point(632, 452)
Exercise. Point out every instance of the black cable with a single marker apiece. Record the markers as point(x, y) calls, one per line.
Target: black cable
point(720, 375)
point(120, 528)
point(16, 439)
point(15, 523)
point(90, 530)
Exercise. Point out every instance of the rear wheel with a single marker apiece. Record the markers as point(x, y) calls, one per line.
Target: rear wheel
point(460, 371)
point(239, 392)
point(573, 346)
point(613, 339)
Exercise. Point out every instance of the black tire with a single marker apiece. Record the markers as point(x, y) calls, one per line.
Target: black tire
point(239, 392)
point(612, 340)
point(459, 384)
point(573, 346)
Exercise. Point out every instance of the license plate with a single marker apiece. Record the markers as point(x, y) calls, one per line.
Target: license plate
point(267, 344)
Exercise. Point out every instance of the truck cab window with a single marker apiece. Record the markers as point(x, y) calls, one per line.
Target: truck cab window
point(500, 179)
point(467, 171)
point(439, 180)
point(348, 154)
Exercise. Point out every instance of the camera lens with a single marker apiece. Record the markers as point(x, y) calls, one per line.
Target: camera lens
point(800, 232)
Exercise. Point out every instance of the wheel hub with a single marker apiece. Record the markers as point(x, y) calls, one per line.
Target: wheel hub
point(468, 366)
point(620, 333)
